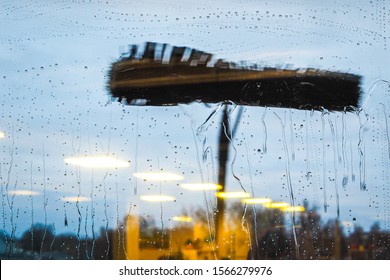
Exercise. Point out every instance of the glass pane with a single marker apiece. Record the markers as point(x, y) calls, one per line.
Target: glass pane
point(85, 175)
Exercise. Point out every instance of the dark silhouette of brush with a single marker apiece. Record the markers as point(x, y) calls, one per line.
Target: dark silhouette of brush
point(160, 75)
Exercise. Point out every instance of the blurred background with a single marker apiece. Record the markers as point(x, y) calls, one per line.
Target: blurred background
point(145, 188)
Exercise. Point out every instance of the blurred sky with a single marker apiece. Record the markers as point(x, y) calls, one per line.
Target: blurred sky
point(54, 61)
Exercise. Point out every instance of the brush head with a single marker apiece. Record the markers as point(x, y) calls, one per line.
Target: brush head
point(160, 75)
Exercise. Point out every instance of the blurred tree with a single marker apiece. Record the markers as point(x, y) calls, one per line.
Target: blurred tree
point(38, 238)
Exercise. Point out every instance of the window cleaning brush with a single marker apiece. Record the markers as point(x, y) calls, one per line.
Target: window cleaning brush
point(161, 75)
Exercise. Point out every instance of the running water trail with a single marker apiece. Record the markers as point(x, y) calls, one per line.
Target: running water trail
point(91, 199)
point(45, 201)
point(292, 136)
point(204, 157)
point(92, 216)
point(289, 183)
point(308, 172)
point(10, 203)
point(332, 129)
point(78, 246)
point(78, 182)
point(387, 129)
point(312, 157)
point(52, 241)
point(228, 135)
point(344, 152)
point(106, 215)
point(264, 130)
point(362, 158)
point(353, 176)
point(32, 207)
point(118, 223)
point(339, 158)
point(371, 90)
point(128, 217)
point(86, 234)
point(323, 161)
point(3, 195)
point(255, 228)
point(205, 125)
point(161, 208)
point(201, 135)
point(5, 198)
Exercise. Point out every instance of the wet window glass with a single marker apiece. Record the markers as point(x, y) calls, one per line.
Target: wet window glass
point(194, 130)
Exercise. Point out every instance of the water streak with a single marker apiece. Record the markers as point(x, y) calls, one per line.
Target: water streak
point(292, 137)
point(5, 194)
point(308, 172)
point(234, 157)
point(52, 241)
point(255, 228)
point(323, 162)
point(387, 129)
point(78, 246)
point(45, 201)
point(204, 156)
point(362, 159)
point(161, 209)
point(332, 129)
point(337, 142)
point(344, 152)
point(32, 207)
point(86, 234)
point(120, 238)
point(10, 203)
point(372, 88)
point(205, 125)
point(92, 216)
point(264, 131)
point(106, 215)
point(353, 176)
point(289, 183)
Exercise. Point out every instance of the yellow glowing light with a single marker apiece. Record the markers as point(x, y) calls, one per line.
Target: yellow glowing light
point(294, 209)
point(23, 193)
point(276, 205)
point(97, 162)
point(201, 187)
point(184, 219)
point(157, 198)
point(260, 200)
point(2, 134)
point(158, 176)
point(232, 194)
point(76, 199)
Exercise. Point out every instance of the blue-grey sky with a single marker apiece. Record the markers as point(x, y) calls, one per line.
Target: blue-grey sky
point(54, 60)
